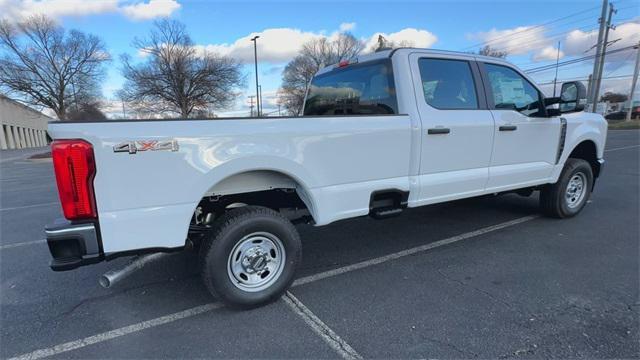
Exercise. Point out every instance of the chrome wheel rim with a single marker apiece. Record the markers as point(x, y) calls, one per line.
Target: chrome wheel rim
point(576, 190)
point(256, 261)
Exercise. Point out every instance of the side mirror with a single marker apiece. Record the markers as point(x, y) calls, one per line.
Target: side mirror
point(573, 97)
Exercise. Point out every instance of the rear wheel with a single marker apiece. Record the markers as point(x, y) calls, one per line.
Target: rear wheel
point(251, 258)
point(569, 195)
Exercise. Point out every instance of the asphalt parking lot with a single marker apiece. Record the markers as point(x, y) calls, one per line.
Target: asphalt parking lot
point(479, 278)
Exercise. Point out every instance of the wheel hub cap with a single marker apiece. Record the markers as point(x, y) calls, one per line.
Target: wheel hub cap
point(256, 261)
point(576, 191)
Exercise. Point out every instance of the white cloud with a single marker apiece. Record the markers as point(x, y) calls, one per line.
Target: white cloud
point(547, 53)
point(516, 41)
point(138, 10)
point(274, 45)
point(282, 44)
point(533, 40)
point(15, 9)
point(150, 10)
point(578, 42)
point(406, 37)
point(344, 27)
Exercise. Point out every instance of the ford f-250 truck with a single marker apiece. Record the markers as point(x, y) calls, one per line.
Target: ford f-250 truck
point(386, 131)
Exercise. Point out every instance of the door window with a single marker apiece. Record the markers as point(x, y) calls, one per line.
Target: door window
point(448, 84)
point(511, 91)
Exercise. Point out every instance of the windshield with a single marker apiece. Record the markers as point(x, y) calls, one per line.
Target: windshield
point(359, 89)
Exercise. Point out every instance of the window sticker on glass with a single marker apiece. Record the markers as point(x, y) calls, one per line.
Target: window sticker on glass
point(513, 92)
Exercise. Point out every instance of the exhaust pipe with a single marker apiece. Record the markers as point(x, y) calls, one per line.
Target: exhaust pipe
point(114, 276)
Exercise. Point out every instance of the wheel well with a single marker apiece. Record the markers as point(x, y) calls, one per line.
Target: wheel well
point(270, 189)
point(587, 151)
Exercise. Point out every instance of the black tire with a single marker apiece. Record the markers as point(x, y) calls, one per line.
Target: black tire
point(231, 230)
point(554, 201)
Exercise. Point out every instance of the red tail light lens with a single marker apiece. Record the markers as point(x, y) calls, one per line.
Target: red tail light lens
point(75, 168)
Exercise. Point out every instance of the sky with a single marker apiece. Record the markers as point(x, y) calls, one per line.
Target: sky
point(528, 30)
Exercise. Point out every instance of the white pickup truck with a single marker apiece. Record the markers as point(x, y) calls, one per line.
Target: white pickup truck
point(394, 129)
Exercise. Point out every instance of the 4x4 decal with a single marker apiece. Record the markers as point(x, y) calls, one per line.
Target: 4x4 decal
point(133, 147)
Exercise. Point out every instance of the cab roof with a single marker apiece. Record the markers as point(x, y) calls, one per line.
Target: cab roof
point(404, 50)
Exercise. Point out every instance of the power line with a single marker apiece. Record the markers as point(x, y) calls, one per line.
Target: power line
point(531, 28)
point(573, 61)
point(546, 39)
point(585, 79)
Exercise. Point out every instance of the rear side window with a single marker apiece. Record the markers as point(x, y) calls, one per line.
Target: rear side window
point(360, 89)
point(448, 84)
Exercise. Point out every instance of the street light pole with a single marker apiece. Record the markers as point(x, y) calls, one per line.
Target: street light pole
point(261, 103)
point(255, 56)
point(555, 79)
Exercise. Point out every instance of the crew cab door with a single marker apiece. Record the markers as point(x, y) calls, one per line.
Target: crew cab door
point(525, 140)
point(457, 127)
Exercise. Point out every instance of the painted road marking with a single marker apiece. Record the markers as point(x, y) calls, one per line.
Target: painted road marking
point(77, 344)
point(73, 345)
point(320, 328)
point(11, 246)
point(415, 250)
point(29, 206)
point(623, 148)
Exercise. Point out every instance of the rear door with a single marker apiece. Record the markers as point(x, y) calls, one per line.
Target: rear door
point(457, 127)
point(526, 140)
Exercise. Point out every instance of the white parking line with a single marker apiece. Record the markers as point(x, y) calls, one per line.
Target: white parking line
point(403, 253)
point(11, 246)
point(623, 148)
point(72, 345)
point(29, 206)
point(58, 349)
point(320, 328)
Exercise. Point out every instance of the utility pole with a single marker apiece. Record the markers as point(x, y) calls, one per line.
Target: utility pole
point(255, 57)
point(251, 103)
point(634, 82)
point(279, 114)
point(261, 108)
point(598, 77)
point(596, 63)
point(124, 113)
point(555, 79)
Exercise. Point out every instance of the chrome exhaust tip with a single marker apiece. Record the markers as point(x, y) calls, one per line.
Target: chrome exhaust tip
point(114, 276)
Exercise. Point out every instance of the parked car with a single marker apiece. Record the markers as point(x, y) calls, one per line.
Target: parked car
point(381, 133)
point(622, 115)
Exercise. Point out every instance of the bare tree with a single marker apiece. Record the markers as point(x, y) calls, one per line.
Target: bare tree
point(489, 51)
point(88, 110)
point(176, 76)
point(46, 66)
point(313, 56)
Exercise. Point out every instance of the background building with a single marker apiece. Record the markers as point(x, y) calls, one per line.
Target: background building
point(21, 126)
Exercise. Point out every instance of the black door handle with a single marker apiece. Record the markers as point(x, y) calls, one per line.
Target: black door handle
point(508, 128)
point(435, 131)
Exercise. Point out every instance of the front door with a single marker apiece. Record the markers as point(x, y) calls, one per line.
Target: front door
point(457, 127)
point(525, 140)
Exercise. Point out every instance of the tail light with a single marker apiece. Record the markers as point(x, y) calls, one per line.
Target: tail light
point(75, 168)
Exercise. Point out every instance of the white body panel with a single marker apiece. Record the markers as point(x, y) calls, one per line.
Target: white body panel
point(146, 200)
point(525, 156)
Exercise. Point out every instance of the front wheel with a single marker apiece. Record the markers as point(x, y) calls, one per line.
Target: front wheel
point(251, 258)
point(569, 195)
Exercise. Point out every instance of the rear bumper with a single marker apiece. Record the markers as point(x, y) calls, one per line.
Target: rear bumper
point(72, 244)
